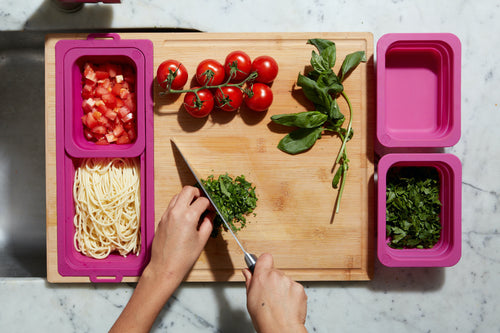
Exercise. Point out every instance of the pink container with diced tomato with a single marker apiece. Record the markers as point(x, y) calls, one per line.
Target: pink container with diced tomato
point(100, 52)
point(72, 146)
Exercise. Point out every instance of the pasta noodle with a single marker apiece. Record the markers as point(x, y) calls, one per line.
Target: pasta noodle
point(107, 207)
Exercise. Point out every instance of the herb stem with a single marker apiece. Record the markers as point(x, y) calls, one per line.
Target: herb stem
point(341, 189)
point(349, 128)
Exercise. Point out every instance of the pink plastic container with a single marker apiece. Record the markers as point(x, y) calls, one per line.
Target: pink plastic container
point(71, 147)
point(418, 90)
point(447, 251)
point(75, 54)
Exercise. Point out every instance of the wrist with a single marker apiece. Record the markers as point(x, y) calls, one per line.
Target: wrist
point(162, 278)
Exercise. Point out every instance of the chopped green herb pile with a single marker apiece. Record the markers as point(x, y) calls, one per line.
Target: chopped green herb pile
point(413, 207)
point(234, 198)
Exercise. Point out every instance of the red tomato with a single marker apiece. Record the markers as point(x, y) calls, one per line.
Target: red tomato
point(228, 98)
point(261, 97)
point(210, 72)
point(199, 108)
point(266, 68)
point(239, 62)
point(173, 72)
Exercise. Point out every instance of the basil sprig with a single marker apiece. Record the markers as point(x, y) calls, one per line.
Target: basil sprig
point(322, 87)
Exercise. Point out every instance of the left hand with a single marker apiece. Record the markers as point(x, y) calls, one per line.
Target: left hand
point(180, 236)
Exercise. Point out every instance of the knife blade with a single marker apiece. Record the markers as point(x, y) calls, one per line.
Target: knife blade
point(250, 259)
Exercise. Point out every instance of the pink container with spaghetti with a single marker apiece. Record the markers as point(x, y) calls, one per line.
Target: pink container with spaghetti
point(72, 147)
point(418, 90)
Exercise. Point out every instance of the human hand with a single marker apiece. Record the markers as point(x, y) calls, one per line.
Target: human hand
point(180, 236)
point(275, 302)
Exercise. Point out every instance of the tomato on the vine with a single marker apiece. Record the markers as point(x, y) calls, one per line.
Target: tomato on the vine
point(173, 72)
point(210, 72)
point(240, 63)
point(259, 97)
point(228, 98)
point(266, 68)
point(201, 107)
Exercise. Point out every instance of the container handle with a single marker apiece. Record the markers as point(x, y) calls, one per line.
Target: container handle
point(103, 36)
point(106, 278)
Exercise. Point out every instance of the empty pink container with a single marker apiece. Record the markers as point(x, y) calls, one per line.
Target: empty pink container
point(447, 251)
point(418, 90)
point(71, 147)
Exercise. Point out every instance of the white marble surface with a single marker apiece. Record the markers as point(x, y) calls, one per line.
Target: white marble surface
point(463, 298)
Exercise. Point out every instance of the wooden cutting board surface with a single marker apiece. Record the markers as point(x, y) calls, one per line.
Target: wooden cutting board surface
point(295, 219)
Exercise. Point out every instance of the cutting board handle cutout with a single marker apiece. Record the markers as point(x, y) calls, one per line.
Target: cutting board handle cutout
point(103, 36)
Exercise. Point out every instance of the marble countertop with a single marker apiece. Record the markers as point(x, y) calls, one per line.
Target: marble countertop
point(463, 298)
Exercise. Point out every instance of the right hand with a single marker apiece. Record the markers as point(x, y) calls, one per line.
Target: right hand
point(275, 302)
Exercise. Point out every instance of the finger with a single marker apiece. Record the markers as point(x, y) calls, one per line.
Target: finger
point(265, 262)
point(206, 227)
point(200, 205)
point(187, 195)
point(248, 277)
point(173, 201)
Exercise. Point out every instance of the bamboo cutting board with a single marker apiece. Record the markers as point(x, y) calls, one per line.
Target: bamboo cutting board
point(295, 218)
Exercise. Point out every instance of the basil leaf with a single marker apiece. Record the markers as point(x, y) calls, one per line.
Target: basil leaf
point(338, 174)
point(351, 61)
point(300, 140)
point(318, 63)
point(313, 92)
point(307, 119)
point(326, 49)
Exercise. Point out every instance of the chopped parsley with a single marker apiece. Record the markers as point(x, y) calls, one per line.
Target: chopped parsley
point(413, 207)
point(235, 199)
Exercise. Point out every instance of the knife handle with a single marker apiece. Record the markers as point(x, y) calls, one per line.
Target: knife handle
point(250, 260)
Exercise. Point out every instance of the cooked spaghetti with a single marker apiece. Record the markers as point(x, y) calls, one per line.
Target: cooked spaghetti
point(107, 207)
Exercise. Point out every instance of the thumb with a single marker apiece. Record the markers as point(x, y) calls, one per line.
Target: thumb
point(248, 277)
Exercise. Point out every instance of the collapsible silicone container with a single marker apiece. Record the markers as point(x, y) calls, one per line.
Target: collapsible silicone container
point(418, 90)
point(72, 147)
point(447, 251)
point(75, 54)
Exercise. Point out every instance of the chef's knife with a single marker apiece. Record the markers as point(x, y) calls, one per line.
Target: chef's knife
point(250, 259)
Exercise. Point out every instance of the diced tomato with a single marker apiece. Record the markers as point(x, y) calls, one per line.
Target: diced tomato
point(109, 100)
point(100, 91)
point(113, 69)
point(128, 117)
point(131, 134)
point(101, 75)
point(87, 91)
point(88, 135)
point(123, 111)
point(89, 73)
point(109, 103)
point(102, 141)
point(99, 130)
point(88, 104)
point(118, 130)
point(124, 93)
point(89, 120)
point(110, 114)
point(130, 102)
point(123, 139)
point(119, 102)
point(116, 89)
point(105, 122)
point(106, 83)
point(110, 137)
